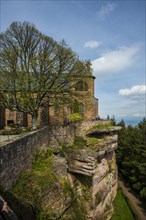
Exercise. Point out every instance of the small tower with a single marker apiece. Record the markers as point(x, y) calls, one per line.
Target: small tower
point(86, 104)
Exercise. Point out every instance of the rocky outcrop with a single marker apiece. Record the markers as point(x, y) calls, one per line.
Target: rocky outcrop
point(78, 180)
point(97, 162)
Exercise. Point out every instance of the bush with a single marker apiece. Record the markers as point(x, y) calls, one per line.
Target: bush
point(76, 117)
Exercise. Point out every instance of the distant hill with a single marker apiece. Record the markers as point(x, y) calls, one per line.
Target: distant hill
point(133, 121)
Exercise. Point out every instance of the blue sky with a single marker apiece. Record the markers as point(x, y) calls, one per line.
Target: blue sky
point(109, 33)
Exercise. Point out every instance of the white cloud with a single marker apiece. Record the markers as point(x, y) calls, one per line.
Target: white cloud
point(139, 115)
point(114, 61)
point(92, 44)
point(135, 90)
point(105, 9)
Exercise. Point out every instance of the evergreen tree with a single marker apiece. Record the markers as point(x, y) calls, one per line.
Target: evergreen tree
point(131, 155)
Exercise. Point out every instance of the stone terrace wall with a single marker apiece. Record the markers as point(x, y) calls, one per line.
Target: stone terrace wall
point(82, 127)
point(16, 156)
point(61, 135)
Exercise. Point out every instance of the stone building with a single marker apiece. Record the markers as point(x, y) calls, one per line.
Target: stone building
point(85, 104)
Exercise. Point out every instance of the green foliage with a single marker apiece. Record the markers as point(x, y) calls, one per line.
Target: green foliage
point(143, 192)
point(121, 208)
point(92, 141)
point(42, 216)
point(113, 120)
point(108, 117)
point(86, 184)
point(131, 155)
point(79, 143)
point(121, 123)
point(67, 189)
point(76, 117)
point(75, 107)
point(11, 132)
point(35, 70)
point(33, 184)
point(77, 210)
point(102, 126)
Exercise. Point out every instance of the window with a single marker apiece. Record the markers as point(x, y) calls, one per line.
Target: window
point(81, 86)
point(81, 109)
point(10, 122)
point(56, 107)
point(78, 108)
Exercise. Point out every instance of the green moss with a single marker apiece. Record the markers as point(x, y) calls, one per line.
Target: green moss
point(42, 154)
point(86, 184)
point(101, 127)
point(42, 216)
point(121, 208)
point(58, 149)
point(77, 211)
point(14, 131)
point(92, 142)
point(67, 189)
point(33, 184)
point(79, 143)
point(85, 180)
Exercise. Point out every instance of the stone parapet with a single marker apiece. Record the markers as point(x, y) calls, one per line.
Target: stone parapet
point(17, 155)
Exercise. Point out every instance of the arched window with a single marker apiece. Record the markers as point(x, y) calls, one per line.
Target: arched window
point(56, 107)
point(78, 108)
point(81, 108)
point(81, 86)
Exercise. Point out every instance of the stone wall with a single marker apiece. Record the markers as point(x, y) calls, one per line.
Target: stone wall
point(60, 115)
point(61, 136)
point(82, 127)
point(16, 156)
point(90, 170)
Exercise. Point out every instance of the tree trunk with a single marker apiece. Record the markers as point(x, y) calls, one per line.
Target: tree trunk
point(34, 122)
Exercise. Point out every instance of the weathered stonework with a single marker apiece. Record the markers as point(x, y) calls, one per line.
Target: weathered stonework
point(17, 155)
point(56, 116)
point(99, 164)
point(61, 136)
point(89, 171)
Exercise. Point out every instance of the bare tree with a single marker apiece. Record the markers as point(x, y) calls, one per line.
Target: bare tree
point(34, 69)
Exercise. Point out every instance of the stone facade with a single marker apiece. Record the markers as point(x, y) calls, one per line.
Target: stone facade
point(16, 156)
point(86, 105)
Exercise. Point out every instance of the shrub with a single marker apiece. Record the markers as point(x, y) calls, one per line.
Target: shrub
point(76, 117)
